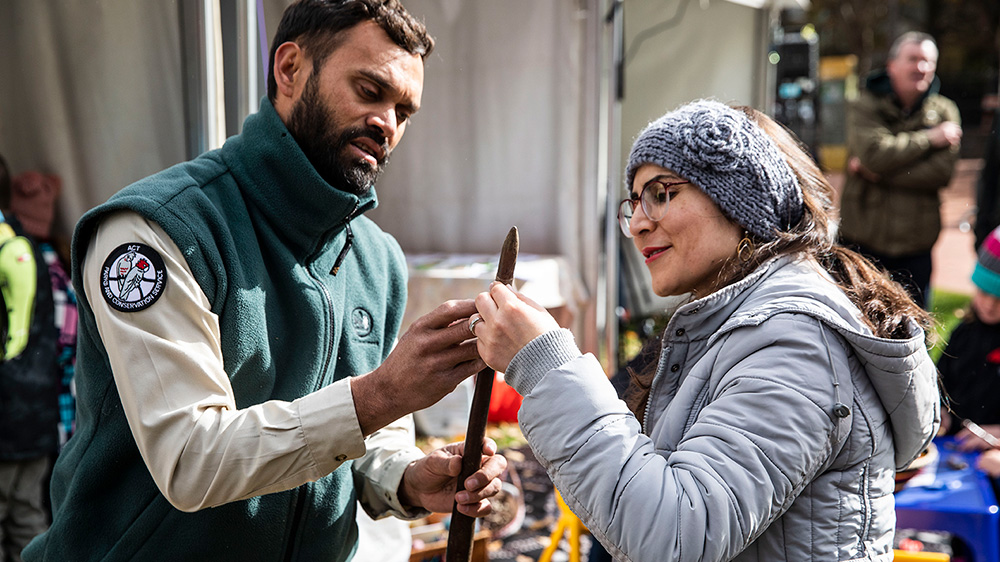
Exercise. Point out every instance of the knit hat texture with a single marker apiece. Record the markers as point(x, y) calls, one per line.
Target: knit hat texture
point(730, 158)
point(986, 275)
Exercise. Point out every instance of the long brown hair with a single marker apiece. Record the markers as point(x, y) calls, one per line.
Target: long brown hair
point(885, 305)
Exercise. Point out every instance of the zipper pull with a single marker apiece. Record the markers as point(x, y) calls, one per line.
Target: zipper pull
point(344, 250)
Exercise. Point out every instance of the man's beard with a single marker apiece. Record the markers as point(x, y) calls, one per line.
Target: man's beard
point(313, 127)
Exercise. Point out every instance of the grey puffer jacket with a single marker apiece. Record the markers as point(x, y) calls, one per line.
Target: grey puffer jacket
point(744, 458)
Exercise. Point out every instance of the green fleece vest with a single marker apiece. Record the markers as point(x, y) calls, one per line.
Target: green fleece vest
point(261, 231)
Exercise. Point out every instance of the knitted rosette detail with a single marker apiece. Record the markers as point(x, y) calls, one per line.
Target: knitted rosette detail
point(728, 157)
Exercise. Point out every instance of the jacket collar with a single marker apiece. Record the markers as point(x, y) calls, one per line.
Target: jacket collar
point(716, 309)
point(281, 184)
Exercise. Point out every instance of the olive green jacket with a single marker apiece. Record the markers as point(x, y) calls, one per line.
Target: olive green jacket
point(900, 214)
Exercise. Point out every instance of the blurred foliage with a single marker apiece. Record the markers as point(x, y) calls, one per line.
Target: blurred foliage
point(966, 32)
point(948, 310)
point(506, 434)
point(634, 332)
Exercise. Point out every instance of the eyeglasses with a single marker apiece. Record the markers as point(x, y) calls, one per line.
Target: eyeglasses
point(654, 198)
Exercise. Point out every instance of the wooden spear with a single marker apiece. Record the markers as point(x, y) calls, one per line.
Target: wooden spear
point(462, 530)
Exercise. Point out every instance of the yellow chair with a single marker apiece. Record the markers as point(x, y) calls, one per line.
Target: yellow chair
point(905, 556)
point(567, 522)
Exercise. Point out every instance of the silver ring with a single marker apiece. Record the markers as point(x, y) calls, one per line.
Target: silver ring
point(472, 323)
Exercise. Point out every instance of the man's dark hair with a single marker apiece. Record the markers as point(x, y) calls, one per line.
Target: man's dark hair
point(318, 25)
point(5, 184)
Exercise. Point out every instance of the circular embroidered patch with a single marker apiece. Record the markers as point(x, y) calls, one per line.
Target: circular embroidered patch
point(133, 277)
point(362, 322)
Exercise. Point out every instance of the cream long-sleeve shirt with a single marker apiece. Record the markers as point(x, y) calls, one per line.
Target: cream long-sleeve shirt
point(202, 450)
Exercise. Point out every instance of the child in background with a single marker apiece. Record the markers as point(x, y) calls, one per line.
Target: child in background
point(970, 364)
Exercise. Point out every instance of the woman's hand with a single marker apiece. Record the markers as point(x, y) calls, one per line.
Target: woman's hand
point(509, 321)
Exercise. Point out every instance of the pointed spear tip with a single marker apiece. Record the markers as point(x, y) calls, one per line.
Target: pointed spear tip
point(508, 257)
point(512, 236)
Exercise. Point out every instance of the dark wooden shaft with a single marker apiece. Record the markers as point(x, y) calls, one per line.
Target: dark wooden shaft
point(462, 531)
point(463, 527)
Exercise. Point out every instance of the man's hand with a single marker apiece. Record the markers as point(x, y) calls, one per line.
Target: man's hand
point(945, 134)
point(431, 482)
point(428, 362)
point(855, 167)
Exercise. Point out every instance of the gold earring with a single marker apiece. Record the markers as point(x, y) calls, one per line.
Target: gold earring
point(744, 250)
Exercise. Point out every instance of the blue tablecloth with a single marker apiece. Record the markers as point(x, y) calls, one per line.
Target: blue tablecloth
point(951, 495)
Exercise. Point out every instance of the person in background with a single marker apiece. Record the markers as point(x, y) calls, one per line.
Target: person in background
point(33, 200)
point(970, 363)
point(29, 410)
point(903, 142)
point(239, 392)
point(785, 392)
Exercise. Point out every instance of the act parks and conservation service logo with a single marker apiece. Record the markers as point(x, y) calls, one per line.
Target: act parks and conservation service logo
point(133, 277)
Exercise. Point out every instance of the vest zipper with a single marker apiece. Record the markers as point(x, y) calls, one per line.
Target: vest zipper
point(329, 298)
point(348, 242)
point(296, 522)
point(299, 492)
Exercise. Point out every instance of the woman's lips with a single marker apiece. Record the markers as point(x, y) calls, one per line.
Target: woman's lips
point(653, 253)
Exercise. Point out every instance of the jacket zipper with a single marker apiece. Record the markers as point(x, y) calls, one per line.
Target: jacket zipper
point(660, 367)
point(300, 492)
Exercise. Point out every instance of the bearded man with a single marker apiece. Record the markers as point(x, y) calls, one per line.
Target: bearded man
point(246, 395)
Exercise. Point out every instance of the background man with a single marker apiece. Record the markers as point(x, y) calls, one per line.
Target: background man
point(902, 141)
point(236, 319)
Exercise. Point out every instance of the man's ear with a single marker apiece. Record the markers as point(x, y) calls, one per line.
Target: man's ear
point(291, 69)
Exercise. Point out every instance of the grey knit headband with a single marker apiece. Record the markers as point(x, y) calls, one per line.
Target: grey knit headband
point(728, 157)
